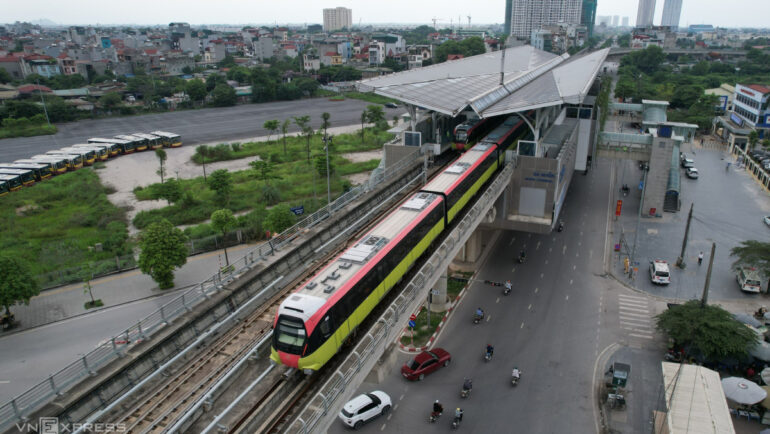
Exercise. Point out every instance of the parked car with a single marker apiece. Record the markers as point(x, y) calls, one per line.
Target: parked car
point(425, 363)
point(364, 408)
point(767, 220)
point(748, 279)
point(692, 173)
point(391, 105)
point(659, 272)
point(688, 162)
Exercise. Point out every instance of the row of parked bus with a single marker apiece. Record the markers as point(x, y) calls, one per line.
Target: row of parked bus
point(25, 172)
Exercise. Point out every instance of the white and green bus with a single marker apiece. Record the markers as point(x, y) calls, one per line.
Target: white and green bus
point(153, 141)
point(26, 176)
point(169, 140)
point(41, 169)
point(117, 146)
point(58, 163)
point(140, 144)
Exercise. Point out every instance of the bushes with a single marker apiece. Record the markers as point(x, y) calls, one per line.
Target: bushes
point(26, 127)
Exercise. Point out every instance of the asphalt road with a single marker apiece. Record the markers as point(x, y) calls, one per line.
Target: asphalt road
point(553, 326)
point(29, 356)
point(196, 126)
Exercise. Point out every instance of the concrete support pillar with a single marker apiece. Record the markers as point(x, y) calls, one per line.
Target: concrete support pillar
point(470, 253)
point(439, 299)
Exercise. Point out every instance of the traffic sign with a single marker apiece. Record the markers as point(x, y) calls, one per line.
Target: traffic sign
point(413, 317)
point(434, 291)
point(412, 323)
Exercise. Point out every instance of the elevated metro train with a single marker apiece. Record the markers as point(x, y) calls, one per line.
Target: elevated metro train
point(312, 324)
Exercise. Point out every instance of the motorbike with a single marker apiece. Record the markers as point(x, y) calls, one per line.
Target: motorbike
point(456, 422)
point(561, 226)
point(522, 257)
point(434, 416)
point(625, 190)
point(507, 290)
point(673, 356)
point(515, 380)
point(487, 356)
point(465, 392)
point(477, 318)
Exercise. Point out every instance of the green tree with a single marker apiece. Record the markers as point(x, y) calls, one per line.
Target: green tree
point(5, 77)
point(320, 165)
point(766, 144)
point(325, 124)
point(303, 122)
point(162, 250)
point(686, 96)
point(753, 253)
point(707, 331)
point(374, 114)
point(86, 274)
point(279, 218)
point(223, 96)
point(221, 182)
point(753, 139)
point(213, 80)
point(271, 126)
point(364, 118)
point(110, 100)
point(222, 221)
point(16, 283)
point(196, 89)
point(171, 190)
point(265, 170)
point(161, 154)
point(284, 130)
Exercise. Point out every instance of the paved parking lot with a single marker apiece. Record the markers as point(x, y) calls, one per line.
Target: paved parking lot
point(728, 208)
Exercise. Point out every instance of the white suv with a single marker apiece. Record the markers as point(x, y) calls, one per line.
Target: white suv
point(364, 408)
point(659, 272)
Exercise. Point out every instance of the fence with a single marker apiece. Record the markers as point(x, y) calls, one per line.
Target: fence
point(26, 403)
point(66, 276)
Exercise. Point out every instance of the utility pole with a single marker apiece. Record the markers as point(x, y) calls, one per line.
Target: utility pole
point(43, 101)
point(327, 142)
point(639, 217)
point(705, 298)
point(680, 260)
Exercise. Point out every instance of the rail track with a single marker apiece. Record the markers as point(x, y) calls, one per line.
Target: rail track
point(158, 409)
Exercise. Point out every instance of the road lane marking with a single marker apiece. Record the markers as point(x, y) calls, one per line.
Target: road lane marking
point(512, 240)
point(564, 250)
point(625, 308)
point(489, 318)
point(632, 297)
point(566, 298)
point(382, 428)
point(577, 254)
point(401, 397)
point(634, 314)
point(570, 281)
point(522, 325)
point(529, 307)
point(574, 267)
point(549, 249)
point(579, 244)
point(581, 233)
point(536, 289)
point(537, 246)
point(390, 415)
point(623, 303)
point(546, 262)
point(395, 407)
point(498, 300)
point(541, 275)
point(640, 336)
point(4, 381)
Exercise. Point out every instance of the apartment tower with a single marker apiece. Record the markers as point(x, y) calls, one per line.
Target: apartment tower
point(337, 18)
point(528, 15)
point(672, 9)
point(645, 13)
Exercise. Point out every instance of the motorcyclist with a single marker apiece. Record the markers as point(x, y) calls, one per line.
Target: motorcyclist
point(516, 373)
point(467, 384)
point(480, 313)
point(459, 414)
point(508, 286)
point(437, 407)
point(522, 255)
point(490, 350)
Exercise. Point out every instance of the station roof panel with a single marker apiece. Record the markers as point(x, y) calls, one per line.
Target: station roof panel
point(449, 87)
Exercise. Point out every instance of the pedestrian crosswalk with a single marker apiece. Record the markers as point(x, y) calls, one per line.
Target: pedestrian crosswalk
point(634, 315)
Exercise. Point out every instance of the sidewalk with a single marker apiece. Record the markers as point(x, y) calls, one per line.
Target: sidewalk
point(68, 301)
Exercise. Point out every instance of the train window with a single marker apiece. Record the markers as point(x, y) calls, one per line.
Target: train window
point(326, 327)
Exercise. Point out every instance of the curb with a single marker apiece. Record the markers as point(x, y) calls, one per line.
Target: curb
point(411, 349)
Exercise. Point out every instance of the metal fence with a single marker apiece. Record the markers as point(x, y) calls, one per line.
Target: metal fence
point(69, 275)
point(26, 403)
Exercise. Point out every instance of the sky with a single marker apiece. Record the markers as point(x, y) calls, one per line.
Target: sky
point(100, 12)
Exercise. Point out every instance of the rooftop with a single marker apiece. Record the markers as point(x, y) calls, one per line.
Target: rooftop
point(759, 88)
point(532, 79)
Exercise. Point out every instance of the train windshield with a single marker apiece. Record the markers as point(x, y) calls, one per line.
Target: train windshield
point(461, 133)
point(290, 335)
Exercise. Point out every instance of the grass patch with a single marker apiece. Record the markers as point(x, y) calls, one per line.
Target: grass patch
point(295, 147)
point(98, 166)
point(28, 131)
point(370, 97)
point(97, 303)
point(52, 224)
point(456, 282)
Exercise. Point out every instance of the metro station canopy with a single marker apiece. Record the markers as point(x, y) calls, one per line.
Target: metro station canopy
point(532, 79)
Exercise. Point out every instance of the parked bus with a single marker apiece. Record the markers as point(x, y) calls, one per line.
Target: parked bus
point(58, 163)
point(4, 188)
point(120, 146)
point(41, 169)
point(12, 182)
point(89, 155)
point(102, 151)
point(153, 141)
point(74, 161)
point(140, 144)
point(170, 140)
point(27, 176)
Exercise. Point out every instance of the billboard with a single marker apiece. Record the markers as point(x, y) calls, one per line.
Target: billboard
point(737, 120)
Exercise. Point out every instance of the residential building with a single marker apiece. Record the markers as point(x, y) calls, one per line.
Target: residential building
point(376, 53)
point(645, 13)
point(310, 62)
point(672, 9)
point(337, 18)
point(726, 94)
point(701, 28)
point(751, 104)
point(331, 58)
point(39, 64)
point(263, 48)
point(625, 22)
point(508, 10)
point(588, 16)
point(529, 15)
point(615, 20)
point(12, 65)
point(173, 63)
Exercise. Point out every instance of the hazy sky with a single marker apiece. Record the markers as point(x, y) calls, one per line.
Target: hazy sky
point(735, 13)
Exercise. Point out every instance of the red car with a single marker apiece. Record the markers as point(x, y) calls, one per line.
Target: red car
point(425, 363)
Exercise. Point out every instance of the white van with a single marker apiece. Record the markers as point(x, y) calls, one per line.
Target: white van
point(748, 279)
point(659, 272)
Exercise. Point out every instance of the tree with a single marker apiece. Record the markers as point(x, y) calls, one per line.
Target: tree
point(364, 118)
point(221, 182)
point(284, 130)
point(707, 332)
point(753, 139)
point(5, 77)
point(325, 124)
point(265, 170)
point(279, 218)
point(223, 96)
point(196, 89)
point(303, 122)
point(161, 154)
point(162, 250)
point(271, 126)
point(16, 284)
point(374, 114)
point(222, 221)
point(171, 190)
point(86, 274)
point(753, 254)
point(320, 165)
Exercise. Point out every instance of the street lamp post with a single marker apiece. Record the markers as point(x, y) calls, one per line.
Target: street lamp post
point(327, 143)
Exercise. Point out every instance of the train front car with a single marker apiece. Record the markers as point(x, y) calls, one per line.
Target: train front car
point(313, 323)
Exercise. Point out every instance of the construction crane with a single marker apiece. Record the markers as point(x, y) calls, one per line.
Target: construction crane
point(434, 19)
